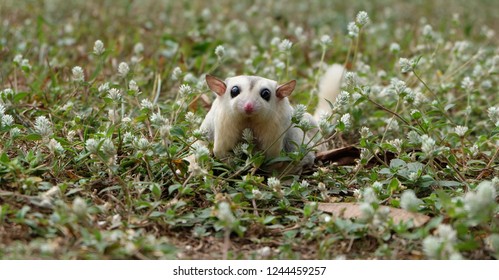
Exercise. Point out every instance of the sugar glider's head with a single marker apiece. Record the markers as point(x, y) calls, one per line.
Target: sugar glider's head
point(251, 96)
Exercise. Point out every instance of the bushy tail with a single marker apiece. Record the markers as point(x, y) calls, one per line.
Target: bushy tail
point(329, 88)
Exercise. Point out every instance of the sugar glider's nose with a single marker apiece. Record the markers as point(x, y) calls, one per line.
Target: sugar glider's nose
point(248, 108)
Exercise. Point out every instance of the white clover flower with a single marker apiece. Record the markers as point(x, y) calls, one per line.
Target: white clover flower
point(275, 41)
point(146, 104)
point(114, 94)
point(55, 147)
point(225, 214)
point(476, 202)
point(132, 85)
point(365, 132)
point(342, 98)
point(18, 59)
point(143, 144)
point(190, 78)
point(351, 79)
point(397, 143)
point(285, 45)
point(25, 63)
point(184, 90)
point(428, 31)
point(461, 130)
point(128, 137)
point(14, 132)
point(427, 144)
point(273, 182)
point(441, 245)
point(326, 40)
point(409, 201)
point(108, 148)
point(304, 184)
point(362, 18)
point(257, 194)
point(104, 87)
point(176, 73)
point(299, 111)
point(394, 48)
point(7, 120)
point(200, 150)
point(99, 47)
point(369, 196)
point(493, 113)
point(78, 75)
point(92, 145)
point(43, 126)
point(406, 65)
point(279, 64)
point(2, 109)
point(157, 118)
point(467, 83)
point(413, 137)
point(123, 69)
point(138, 48)
point(220, 52)
point(345, 119)
point(378, 186)
point(353, 30)
point(248, 136)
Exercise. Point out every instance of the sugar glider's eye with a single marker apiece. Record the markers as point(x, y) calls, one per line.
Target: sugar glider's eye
point(265, 94)
point(234, 91)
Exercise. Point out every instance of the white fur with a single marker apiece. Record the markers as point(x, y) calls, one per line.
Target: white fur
point(227, 118)
point(329, 88)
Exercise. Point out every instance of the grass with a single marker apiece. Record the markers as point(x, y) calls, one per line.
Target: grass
point(93, 159)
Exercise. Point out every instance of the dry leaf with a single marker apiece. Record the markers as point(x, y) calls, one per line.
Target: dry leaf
point(353, 211)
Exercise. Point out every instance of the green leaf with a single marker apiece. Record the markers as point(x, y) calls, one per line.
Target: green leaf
point(33, 137)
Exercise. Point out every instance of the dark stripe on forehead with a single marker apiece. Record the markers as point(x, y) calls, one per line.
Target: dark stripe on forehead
point(252, 82)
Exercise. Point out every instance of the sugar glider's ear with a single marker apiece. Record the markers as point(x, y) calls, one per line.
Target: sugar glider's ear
point(216, 85)
point(286, 89)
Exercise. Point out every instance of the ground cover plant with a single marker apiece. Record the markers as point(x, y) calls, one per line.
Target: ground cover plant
point(101, 102)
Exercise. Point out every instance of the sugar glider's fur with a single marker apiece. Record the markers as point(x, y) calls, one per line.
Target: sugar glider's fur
point(262, 105)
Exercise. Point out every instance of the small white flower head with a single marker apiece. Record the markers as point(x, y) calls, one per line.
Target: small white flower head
point(493, 113)
point(55, 147)
point(200, 151)
point(43, 126)
point(413, 137)
point(220, 52)
point(115, 95)
point(18, 59)
point(132, 85)
point(321, 187)
point(25, 64)
point(394, 48)
point(351, 79)
point(190, 78)
point(353, 30)
point(108, 148)
point(362, 18)
point(346, 120)
point(92, 146)
point(428, 31)
point(2, 109)
point(365, 132)
point(143, 144)
point(248, 136)
point(342, 98)
point(123, 69)
point(397, 143)
point(285, 45)
point(104, 87)
point(6, 93)
point(176, 73)
point(409, 201)
point(225, 214)
point(99, 47)
point(467, 84)
point(478, 201)
point(326, 40)
point(184, 90)
point(146, 104)
point(298, 113)
point(14, 132)
point(257, 194)
point(369, 196)
point(378, 186)
point(138, 48)
point(273, 183)
point(461, 130)
point(78, 75)
point(7, 120)
point(406, 65)
point(427, 144)
point(157, 118)
point(304, 184)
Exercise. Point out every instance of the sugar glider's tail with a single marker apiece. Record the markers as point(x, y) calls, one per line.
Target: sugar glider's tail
point(329, 88)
